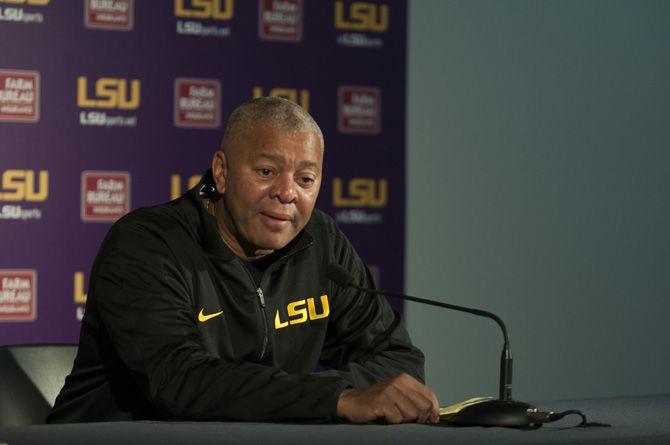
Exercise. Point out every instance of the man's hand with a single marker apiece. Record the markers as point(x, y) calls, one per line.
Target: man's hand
point(398, 400)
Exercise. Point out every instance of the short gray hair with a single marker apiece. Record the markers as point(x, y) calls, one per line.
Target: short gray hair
point(277, 111)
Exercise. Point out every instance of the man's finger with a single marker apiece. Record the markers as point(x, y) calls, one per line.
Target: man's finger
point(421, 405)
point(392, 414)
point(420, 394)
point(407, 406)
point(433, 408)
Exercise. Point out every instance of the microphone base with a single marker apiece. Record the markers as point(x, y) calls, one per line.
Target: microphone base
point(508, 413)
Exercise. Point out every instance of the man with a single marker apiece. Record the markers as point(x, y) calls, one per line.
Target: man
point(216, 305)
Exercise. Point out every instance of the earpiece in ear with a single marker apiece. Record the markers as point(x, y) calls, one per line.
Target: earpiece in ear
point(208, 187)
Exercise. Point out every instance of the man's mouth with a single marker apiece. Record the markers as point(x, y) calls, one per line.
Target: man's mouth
point(277, 216)
point(276, 220)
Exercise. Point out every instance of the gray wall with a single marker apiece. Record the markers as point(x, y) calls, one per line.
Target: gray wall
point(538, 188)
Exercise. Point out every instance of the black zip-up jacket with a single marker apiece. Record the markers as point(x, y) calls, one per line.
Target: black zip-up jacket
point(176, 328)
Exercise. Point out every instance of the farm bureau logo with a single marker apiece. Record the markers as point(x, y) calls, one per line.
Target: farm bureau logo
point(176, 188)
point(302, 310)
point(280, 20)
point(363, 18)
point(203, 17)
point(79, 295)
point(16, 13)
point(359, 110)
point(109, 93)
point(19, 96)
point(105, 196)
point(197, 103)
point(301, 97)
point(18, 294)
point(115, 15)
point(21, 186)
point(359, 196)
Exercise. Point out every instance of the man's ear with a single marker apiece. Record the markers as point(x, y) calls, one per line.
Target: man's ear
point(219, 171)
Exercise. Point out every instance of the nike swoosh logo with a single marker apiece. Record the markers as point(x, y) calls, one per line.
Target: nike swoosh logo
point(203, 318)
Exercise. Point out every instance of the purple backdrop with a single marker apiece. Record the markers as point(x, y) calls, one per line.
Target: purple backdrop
point(107, 106)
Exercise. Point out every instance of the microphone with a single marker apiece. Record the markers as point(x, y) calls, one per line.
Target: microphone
point(501, 412)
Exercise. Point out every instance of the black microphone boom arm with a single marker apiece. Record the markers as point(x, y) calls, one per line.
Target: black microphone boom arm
point(505, 388)
point(343, 278)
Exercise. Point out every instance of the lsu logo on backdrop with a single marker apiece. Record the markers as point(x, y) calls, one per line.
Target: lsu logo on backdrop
point(176, 188)
point(108, 93)
point(360, 192)
point(197, 103)
point(203, 17)
point(23, 186)
point(362, 198)
point(79, 295)
point(359, 110)
point(301, 97)
point(17, 13)
point(302, 310)
point(105, 196)
point(361, 18)
point(204, 9)
point(280, 20)
point(18, 294)
point(19, 95)
point(115, 15)
point(20, 185)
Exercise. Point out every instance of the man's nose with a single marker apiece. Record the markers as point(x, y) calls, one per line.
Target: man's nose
point(284, 189)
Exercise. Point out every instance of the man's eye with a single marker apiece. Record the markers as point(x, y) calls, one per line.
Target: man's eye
point(264, 171)
point(307, 180)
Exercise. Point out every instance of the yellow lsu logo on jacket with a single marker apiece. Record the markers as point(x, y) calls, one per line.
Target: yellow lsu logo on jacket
point(110, 93)
point(363, 16)
point(204, 9)
point(19, 185)
point(302, 310)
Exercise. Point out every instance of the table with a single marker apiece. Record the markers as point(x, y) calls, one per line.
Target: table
point(634, 420)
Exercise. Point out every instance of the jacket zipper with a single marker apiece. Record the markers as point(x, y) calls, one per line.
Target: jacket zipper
point(261, 303)
point(261, 299)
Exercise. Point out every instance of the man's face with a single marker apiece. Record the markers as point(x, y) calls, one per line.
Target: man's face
point(271, 181)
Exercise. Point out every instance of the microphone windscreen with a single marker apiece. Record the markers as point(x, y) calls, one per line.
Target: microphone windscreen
point(339, 275)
